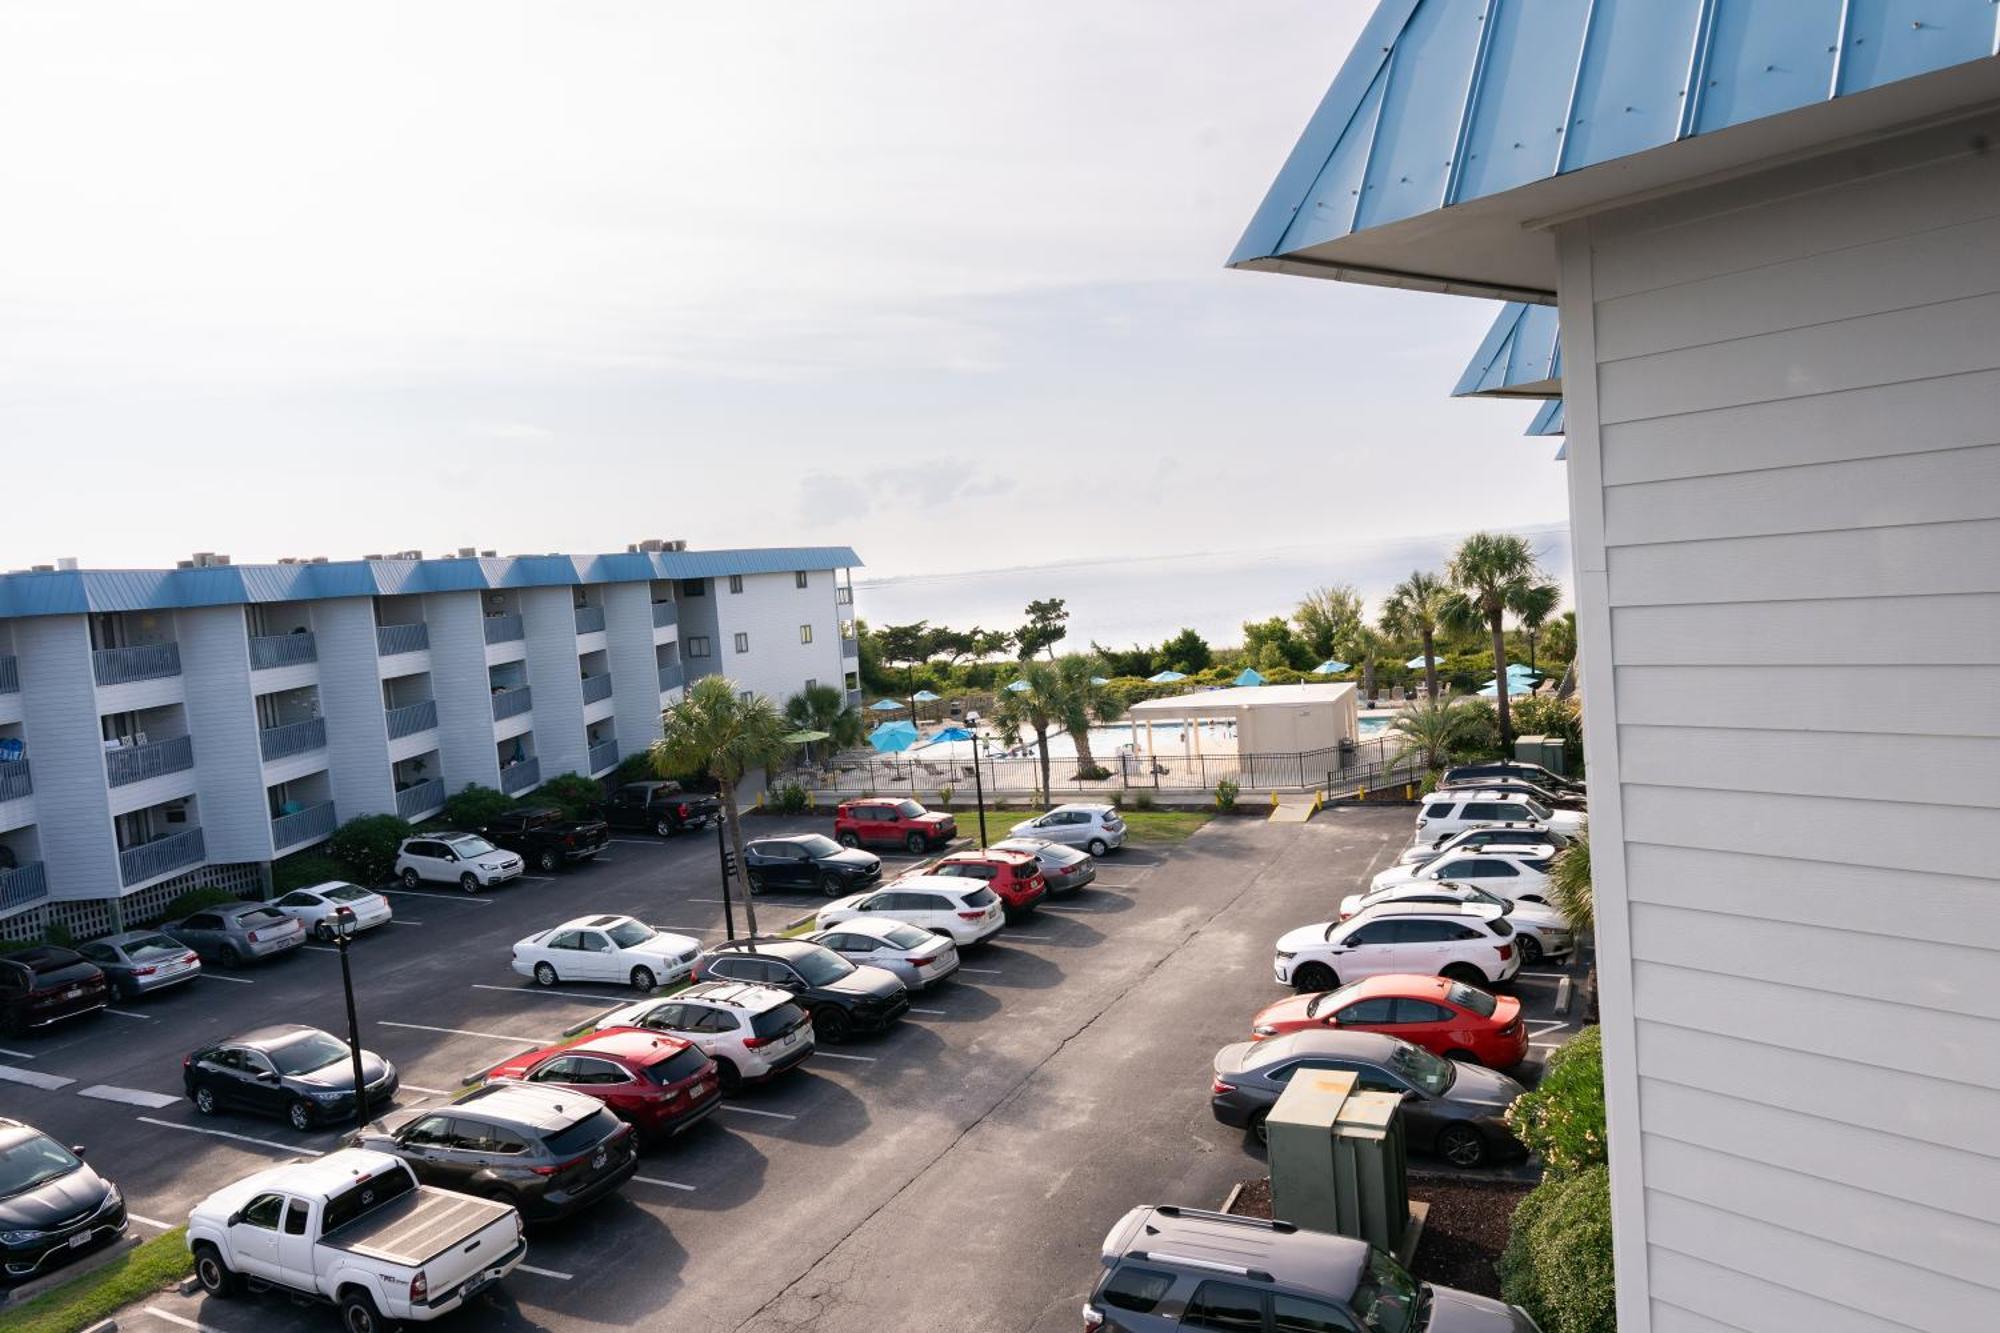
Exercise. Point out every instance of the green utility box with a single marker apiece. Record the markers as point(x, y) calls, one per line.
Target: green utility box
point(1337, 1159)
point(1544, 750)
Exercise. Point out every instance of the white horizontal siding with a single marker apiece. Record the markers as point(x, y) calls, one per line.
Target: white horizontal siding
point(1944, 630)
point(1913, 700)
point(1852, 561)
point(1935, 769)
point(1754, 1302)
point(1890, 835)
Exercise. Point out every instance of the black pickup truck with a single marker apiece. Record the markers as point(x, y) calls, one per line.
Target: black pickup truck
point(660, 807)
point(545, 839)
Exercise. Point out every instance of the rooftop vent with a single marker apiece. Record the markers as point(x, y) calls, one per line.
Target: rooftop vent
point(204, 560)
point(655, 545)
point(65, 562)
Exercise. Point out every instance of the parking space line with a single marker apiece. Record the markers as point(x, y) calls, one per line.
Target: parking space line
point(462, 1032)
point(238, 1138)
point(319, 948)
point(428, 1092)
point(932, 1013)
point(637, 842)
point(465, 898)
point(122, 1013)
point(1541, 1025)
point(751, 1110)
point(1543, 976)
point(982, 971)
point(543, 1272)
point(664, 1184)
point(105, 1092)
point(148, 1222)
point(607, 1001)
point(534, 879)
point(399, 921)
point(18, 1055)
point(835, 1055)
point(1031, 939)
point(173, 1318)
point(234, 981)
point(34, 1078)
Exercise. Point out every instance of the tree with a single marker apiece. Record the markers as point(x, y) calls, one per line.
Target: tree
point(1187, 652)
point(1534, 607)
point(1135, 662)
point(473, 807)
point(1569, 883)
point(1365, 645)
point(1047, 626)
point(1035, 708)
point(1436, 731)
point(714, 730)
point(1271, 643)
point(1081, 701)
point(369, 844)
point(1560, 641)
point(906, 646)
point(572, 795)
point(1327, 618)
point(823, 708)
point(957, 645)
point(1492, 573)
point(1416, 609)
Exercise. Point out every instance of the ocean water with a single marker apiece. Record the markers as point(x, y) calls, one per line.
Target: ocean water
point(1149, 598)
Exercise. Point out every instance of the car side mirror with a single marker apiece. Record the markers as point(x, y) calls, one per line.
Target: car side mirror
point(266, 1076)
point(233, 1218)
point(76, 1150)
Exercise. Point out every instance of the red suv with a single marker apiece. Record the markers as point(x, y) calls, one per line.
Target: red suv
point(658, 1084)
point(1443, 1016)
point(888, 822)
point(1015, 876)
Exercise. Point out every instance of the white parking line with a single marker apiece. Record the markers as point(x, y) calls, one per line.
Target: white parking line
point(461, 1032)
point(1543, 976)
point(399, 921)
point(238, 1138)
point(122, 1013)
point(534, 879)
point(835, 1055)
point(34, 1078)
point(664, 1184)
point(1031, 939)
point(105, 1092)
point(932, 1013)
point(543, 1272)
point(982, 971)
point(606, 1000)
point(751, 1110)
point(428, 1092)
point(18, 1055)
point(234, 981)
point(173, 1318)
point(1541, 1025)
point(637, 842)
point(149, 1222)
point(465, 898)
point(319, 948)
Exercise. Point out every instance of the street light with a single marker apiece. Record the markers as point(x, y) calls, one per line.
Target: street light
point(343, 934)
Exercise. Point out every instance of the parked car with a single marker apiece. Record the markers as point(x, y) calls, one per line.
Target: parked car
point(1445, 1017)
point(1168, 1268)
point(315, 907)
point(464, 859)
point(1506, 871)
point(545, 840)
point(967, 911)
point(52, 1206)
point(813, 861)
point(44, 984)
point(547, 1152)
point(1539, 929)
point(1468, 942)
point(842, 998)
point(237, 933)
point(1446, 812)
point(140, 962)
point(298, 1074)
point(656, 1082)
point(1016, 877)
point(1559, 800)
point(1095, 828)
point(1454, 1110)
point(1463, 774)
point(887, 822)
point(918, 958)
point(606, 948)
point(1527, 839)
point(753, 1033)
point(661, 808)
point(354, 1228)
point(1064, 869)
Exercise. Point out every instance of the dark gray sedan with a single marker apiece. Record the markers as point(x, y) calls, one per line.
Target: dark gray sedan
point(1451, 1109)
point(139, 962)
point(1064, 869)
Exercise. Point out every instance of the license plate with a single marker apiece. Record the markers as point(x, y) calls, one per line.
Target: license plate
point(597, 1162)
point(72, 992)
point(477, 1285)
point(79, 1240)
point(699, 1091)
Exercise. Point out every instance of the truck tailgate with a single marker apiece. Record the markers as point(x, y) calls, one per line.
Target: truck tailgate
point(433, 1224)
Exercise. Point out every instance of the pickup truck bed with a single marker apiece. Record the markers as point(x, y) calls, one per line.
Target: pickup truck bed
point(418, 1228)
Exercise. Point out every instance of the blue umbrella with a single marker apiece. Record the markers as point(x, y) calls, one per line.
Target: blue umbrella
point(925, 697)
point(949, 735)
point(1165, 677)
point(1415, 663)
point(1516, 669)
point(892, 737)
point(1018, 687)
point(885, 706)
point(1329, 667)
point(1099, 680)
point(1515, 685)
point(1249, 677)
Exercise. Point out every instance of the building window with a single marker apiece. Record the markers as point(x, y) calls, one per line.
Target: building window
point(743, 643)
point(697, 645)
point(694, 587)
point(748, 696)
point(854, 680)
point(736, 583)
point(811, 684)
point(843, 596)
point(799, 578)
point(805, 634)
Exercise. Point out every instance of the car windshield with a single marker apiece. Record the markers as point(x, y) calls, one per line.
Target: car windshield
point(1538, 810)
point(347, 893)
point(472, 846)
point(151, 946)
point(1472, 999)
point(1431, 1073)
point(315, 1050)
point(1333, 998)
point(628, 933)
point(32, 1162)
point(906, 937)
point(1388, 1299)
point(909, 809)
point(1474, 894)
point(815, 845)
point(263, 916)
point(822, 967)
point(594, 1127)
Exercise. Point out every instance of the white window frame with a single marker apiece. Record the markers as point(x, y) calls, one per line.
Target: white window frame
point(742, 641)
point(697, 645)
point(805, 634)
point(736, 583)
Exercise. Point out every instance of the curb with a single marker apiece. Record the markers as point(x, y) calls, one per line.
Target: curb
point(189, 1285)
point(1229, 1201)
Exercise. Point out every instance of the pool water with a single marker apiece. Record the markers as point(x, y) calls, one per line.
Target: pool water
point(1374, 726)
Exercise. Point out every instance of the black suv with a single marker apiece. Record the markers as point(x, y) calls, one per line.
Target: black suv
point(544, 839)
point(1509, 770)
point(813, 861)
point(842, 998)
point(659, 807)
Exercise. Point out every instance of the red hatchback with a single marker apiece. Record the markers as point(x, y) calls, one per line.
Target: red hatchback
point(658, 1084)
point(1443, 1016)
point(1015, 876)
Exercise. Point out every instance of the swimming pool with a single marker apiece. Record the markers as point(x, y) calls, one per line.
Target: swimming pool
point(1374, 726)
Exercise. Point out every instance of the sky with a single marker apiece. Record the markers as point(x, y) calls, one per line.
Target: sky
point(941, 281)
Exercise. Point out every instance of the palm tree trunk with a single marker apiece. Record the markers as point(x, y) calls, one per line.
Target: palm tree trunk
point(1368, 677)
point(1430, 662)
point(1531, 651)
point(1085, 761)
point(1042, 744)
point(736, 841)
point(1500, 685)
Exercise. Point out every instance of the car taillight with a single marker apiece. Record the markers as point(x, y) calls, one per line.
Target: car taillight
point(420, 1287)
point(1505, 951)
point(752, 1043)
point(191, 957)
point(252, 937)
point(683, 809)
point(1511, 1028)
point(143, 971)
point(1093, 1319)
point(972, 916)
point(1221, 1086)
point(569, 840)
point(920, 962)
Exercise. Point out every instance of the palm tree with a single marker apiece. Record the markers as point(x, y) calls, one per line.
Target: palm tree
point(1534, 607)
point(1492, 574)
point(824, 708)
point(1081, 701)
point(1433, 730)
point(715, 730)
point(1036, 708)
point(1569, 883)
point(1416, 608)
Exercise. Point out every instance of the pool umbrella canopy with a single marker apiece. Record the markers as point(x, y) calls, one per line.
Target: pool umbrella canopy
point(1018, 687)
point(892, 737)
point(1516, 669)
point(925, 697)
point(806, 737)
point(1515, 685)
point(1100, 680)
point(1165, 677)
point(886, 706)
point(1249, 677)
point(949, 736)
point(1415, 663)
point(1329, 667)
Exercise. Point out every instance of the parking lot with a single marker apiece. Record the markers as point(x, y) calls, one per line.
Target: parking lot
point(957, 1172)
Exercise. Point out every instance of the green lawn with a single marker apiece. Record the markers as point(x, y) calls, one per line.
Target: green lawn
point(100, 1294)
point(1163, 825)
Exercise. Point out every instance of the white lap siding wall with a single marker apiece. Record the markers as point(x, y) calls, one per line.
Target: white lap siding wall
point(770, 610)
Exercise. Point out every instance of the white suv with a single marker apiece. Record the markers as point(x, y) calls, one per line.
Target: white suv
point(1498, 868)
point(1095, 828)
point(464, 859)
point(964, 909)
point(1444, 813)
point(1510, 836)
point(753, 1033)
point(1541, 930)
point(1473, 943)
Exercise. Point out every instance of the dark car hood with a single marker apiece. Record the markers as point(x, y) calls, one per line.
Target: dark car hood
point(340, 1074)
point(853, 858)
point(1454, 1311)
point(1483, 1089)
point(58, 1201)
point(878, 982)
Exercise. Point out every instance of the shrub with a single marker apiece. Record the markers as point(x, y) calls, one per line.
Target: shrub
point(301, 869)
point(194, 900)
point(368, 846)
point(793, 799)
point(634, 768)
point(475, 807)
point(945, 793)
point(1557, 1265)
point(573, 795)
point(1142, 800)
point(1117, 800)
point(1562, 1120)
point(1095, 773)
point(59, 935)
point(1226, 792)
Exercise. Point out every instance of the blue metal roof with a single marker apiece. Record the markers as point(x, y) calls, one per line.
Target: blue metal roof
point(1520, 357)
point(1548, 421)
point(1442, 102)
point(72, 592)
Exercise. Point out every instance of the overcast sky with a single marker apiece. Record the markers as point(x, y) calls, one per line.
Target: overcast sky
point(939, 280)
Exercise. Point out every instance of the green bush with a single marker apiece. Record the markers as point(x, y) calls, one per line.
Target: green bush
point(945, 793)
point(194, 900)
point(1562, 1120)
point(302, 869)
point(368, 846)
point(793, 799)
point(634, 768)
point(1142, 800)
point(474, 807)
point(573, 795)
point(1557, 1265)
point(1226, 792)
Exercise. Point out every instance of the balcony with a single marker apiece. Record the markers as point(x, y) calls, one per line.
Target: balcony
point(666, 613)
point(595, 688)
point(282, 650)
point(526, 774)
point(512, 703)
point(670, 677)
point(603, 755)
point(589, 619)
point(503, 629)
point(292, 738)
point(850, 648)
point(393, 639)
point(136, 763)
point(414, 718)
point(10, 675)
point(302, 826)
point(420, 799)
point(146, 661)
point(23, 885)
point(14, 780)
point(150, 860)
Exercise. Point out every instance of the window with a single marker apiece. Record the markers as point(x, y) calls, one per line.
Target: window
point(1438, 810)
point(805, 634)
point(1472, 998)
point(742, 642)
point(1136, 1289)
point(295, 1219)
point(1369, 1011)
point(736, 583)
point(843, 595)
point(1295, 1314)
point(697, 645)
point(799, 579)
point(694, 587)
point(811, 684)
point(1225, 1306)
point(1421, 1011)
point(854, 680)
point(432, 1131)
point(748, 696)
point(263, 1211)
point(1376, 932)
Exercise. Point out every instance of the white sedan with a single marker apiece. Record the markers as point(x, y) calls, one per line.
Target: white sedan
point(314, 907)
point(606, 948)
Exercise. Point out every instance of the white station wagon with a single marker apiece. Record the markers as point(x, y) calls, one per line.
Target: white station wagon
point(616, 949)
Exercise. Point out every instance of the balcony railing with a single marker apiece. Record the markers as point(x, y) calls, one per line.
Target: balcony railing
point(151, 859)
point(595, 688)
point(307, 825)
point(146, 661)
point(277, 650)
point(393, 639)
point(136, 763)
point(520, 777)
point(10, 675)
point(670, 677)
point(14, 780)
point(603, 755)
point(23, 885)
point(511, 703)
point(420, 799)
point(589, 619)
point(666, 613)
point(293, 738)
point(850, 647)
point(413, 718)
point(503, 629)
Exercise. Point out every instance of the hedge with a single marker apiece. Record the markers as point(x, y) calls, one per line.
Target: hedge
point(1562, 1120)
point(572, 795)
point(368, 846)
point(474, 806)
point(1557, 1265)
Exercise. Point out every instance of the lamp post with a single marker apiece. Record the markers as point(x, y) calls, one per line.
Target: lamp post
point(343, 934)
point(728, 867)
point(979, 790)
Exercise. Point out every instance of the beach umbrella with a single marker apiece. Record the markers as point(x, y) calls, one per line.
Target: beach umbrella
point(1330, 667)
point(1515, 685)
point(949, 736)
point(1516, 669)
point(1018, 687)
point(1100, 680)
point(805, 737)
point(925, 697)
point(892, 737)
point(1165, 678)
point(1249, 677)
point(886, 706)
point(1416, 663)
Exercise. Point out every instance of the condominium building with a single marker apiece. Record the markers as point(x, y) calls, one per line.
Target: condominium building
point(168, 729)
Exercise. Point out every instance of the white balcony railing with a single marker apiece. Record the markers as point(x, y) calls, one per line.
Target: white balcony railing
point(292, 738)
point(670, 677)
point(136, 763)
point(511, 703)
point(503, 629)
point(666, 613)
point(23, 885)
point(277, 650)
point(595, 688)
point(413, 802)
point(589, 619)
point(149, 860)
point(303, 826)
point(520, 777)
point(603, 755)
point(413, 718)
point(146, 661)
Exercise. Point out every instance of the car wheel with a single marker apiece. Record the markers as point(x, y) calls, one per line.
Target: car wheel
point(469, 882)
point(228, 956)
point(411, 879)
point(358, 1313)
point(300, 1115)
point(643, 978)
point(545, 974)
point(756, 881)
point(550, 860)
point(831, 1024)
point(1260, 1131)
point(915, 842)
point(204, 1100)
point(1315, 977)
point(1461, 1145)
point(215, 1276)
point(1531, 949)
point(664, 827)
point(726, 1072)
point(848, 840)
point(828, 886)
point(1098, 847)
point(323, 932)
point(1466, 973)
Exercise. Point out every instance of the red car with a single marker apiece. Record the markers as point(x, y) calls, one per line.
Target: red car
point(889, 822)
point(1443, 1016)
point(658, 1084)
point(1015, 876)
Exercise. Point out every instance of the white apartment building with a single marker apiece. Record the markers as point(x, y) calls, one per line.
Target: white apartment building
point(167, 729)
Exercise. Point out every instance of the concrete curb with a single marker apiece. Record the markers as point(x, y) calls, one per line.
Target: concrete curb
point(1229, 1201)
point(188, 1285)
point(1564, 993)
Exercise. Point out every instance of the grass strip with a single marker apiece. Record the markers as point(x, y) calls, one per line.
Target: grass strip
point(103, 1292)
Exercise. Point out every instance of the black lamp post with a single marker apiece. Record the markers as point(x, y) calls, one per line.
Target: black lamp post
point(979, 789)
point(343, 934)
point(728, 863)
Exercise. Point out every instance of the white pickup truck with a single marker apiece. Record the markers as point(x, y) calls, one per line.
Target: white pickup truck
point(354, 1227)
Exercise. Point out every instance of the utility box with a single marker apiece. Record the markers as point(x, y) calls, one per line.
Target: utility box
point(1544, 750)
point(1337, 1159)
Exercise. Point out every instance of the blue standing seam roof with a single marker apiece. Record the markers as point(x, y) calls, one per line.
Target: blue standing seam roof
point(1548, 421)
point(74, 592)
point(1520, 357)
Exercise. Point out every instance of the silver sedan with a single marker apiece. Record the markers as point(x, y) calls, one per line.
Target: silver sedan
point(918, 958)
point(1064, 869)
